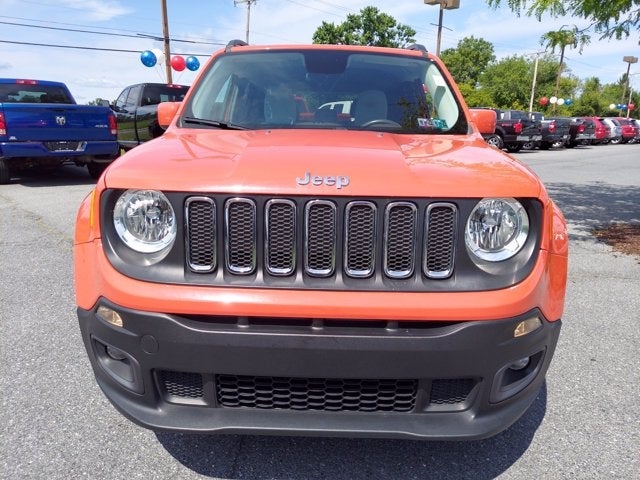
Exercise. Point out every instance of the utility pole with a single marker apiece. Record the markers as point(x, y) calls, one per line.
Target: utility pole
point(444, 5)
point(248, 2)
point(533, 84)
point(629, 60)
point(165, 33)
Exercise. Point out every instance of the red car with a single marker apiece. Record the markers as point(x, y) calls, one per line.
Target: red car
point(603, 131)
point(628, 129)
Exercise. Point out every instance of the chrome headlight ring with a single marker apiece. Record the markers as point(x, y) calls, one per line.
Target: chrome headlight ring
point(145, 221)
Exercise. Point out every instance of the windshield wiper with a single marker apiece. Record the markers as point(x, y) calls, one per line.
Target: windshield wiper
point(213, 123)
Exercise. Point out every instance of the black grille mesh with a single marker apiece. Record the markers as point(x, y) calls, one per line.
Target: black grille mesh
point(316, 393)
point(450, 391)
point(182, 384)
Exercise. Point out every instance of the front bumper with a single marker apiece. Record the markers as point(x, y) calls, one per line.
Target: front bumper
point(209, 374)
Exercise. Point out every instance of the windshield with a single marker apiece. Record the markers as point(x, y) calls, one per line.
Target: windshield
point(325, 89)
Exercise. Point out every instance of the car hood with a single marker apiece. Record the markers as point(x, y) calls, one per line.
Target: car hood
point(323, 162)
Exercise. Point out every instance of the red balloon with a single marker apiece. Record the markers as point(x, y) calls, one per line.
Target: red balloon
point(544, 101)
point(178, 63)
point(631, 106)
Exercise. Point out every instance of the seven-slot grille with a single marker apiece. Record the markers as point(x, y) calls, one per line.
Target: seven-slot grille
point(320, 236)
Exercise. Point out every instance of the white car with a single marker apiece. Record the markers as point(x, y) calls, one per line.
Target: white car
point(616, 130)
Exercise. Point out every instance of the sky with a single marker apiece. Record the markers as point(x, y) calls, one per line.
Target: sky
point(114, 33)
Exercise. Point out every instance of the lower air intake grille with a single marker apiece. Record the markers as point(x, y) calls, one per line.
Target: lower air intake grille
point(182, 384)
point(316, 393)
point(451, 391)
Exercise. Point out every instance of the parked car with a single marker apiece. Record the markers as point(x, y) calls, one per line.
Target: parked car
point(514, 130)
point(615, 130)
point(387, 274)
point(602, 131)
point(136, 109)
point(627, 128)
point(636, 122)
point(41, 125)
point(555, 133)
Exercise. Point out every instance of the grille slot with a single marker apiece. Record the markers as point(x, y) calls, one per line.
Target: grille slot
point(241, 235)
point(280, 245)
point(400, 239)
point(451, 391)
point(186, 385)
point(320, 238)
point(316, 393)
point(440, 235)
point(201, 231)
point(359, 239)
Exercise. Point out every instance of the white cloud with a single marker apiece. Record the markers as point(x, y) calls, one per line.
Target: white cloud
point(98, 10)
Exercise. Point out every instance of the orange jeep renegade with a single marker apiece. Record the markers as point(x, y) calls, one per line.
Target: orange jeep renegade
point(275, 265)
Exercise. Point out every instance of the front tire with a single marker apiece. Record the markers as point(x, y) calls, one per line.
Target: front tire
point(96, 169)
point(514, 147)
point(495, 140)
point(5, 175)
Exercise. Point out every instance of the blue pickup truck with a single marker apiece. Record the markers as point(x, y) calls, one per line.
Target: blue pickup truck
point(42, 126)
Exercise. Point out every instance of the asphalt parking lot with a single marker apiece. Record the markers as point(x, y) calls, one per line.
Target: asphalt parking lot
point(56, 424)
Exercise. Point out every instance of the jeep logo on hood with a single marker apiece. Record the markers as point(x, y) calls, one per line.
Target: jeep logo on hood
point(337, 181)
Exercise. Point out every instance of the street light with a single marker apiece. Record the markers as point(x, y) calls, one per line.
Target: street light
point(444, 5)
point(629, 59)
point(630, 93)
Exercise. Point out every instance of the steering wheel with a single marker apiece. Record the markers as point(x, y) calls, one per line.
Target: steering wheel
point(381, 122)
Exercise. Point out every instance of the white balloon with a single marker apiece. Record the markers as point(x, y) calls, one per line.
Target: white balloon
point(561, 101)
point(612, 106)
point(159, 56)
point(551, 100)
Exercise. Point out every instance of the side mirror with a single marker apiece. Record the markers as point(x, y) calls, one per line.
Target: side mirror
point(166, 113)
point(484, 119)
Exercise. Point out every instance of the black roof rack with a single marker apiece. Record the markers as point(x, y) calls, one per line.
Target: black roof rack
point(419, 47)
point(235, 43)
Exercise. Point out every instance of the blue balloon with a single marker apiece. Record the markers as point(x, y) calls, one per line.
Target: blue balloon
point(148, 58)
point(193, 63)
point(568, 101)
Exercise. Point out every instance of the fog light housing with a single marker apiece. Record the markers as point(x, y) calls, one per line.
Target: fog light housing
point(527, 326)
point(110, 316)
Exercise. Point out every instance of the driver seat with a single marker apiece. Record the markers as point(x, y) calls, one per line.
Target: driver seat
point(369, 105)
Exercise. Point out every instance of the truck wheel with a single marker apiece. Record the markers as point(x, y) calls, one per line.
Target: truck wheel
point(96, 169)
point(5, 176)
point(495, 141)
point(514, 147)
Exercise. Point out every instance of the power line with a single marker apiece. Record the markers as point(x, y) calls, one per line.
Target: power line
point(137, 35)
point(78, 47)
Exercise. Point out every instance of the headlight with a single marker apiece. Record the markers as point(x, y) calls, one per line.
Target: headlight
point(145, 220)
point(496, 229)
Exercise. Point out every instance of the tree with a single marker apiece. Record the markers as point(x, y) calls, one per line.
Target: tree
point(508, 82)
point(611, 18)
point(468, 60)
point(562, 39)
point(371, 27)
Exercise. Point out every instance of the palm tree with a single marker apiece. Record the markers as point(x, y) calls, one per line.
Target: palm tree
point(562, 39)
